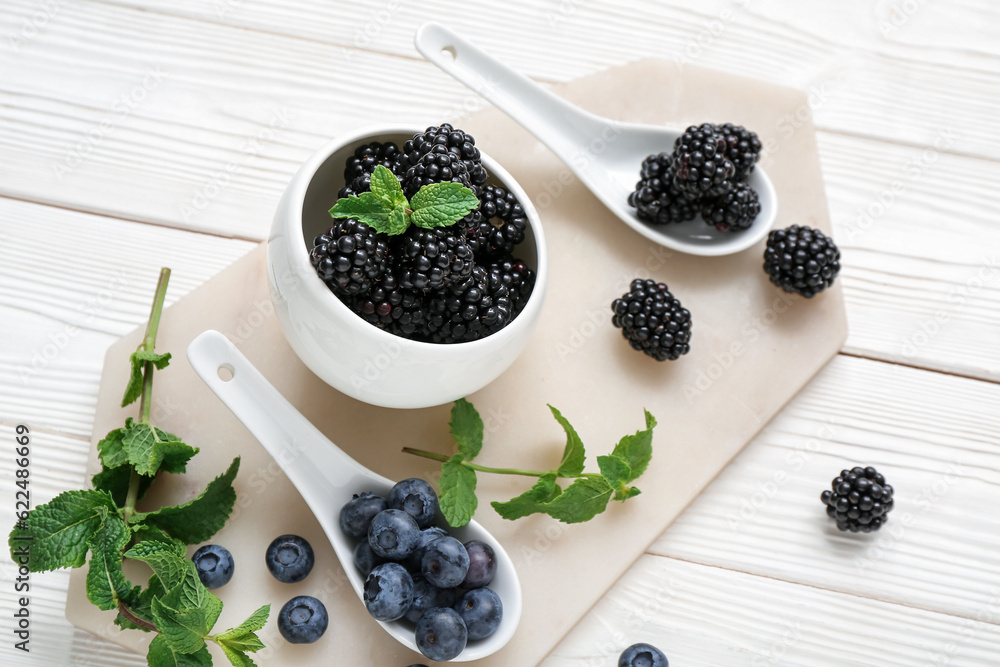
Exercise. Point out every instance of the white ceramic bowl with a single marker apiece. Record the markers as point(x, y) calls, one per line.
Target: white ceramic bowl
point(350, 354)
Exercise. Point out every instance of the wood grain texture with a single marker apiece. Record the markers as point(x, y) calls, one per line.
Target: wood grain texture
point(936, 439)
point(70, 285)
point(706, 617)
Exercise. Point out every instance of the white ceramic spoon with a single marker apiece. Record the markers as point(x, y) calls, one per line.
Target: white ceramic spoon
point(326, 477)
point(604, 154)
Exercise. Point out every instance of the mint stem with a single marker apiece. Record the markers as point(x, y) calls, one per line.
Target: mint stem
point(141, 622)
point(499, 471)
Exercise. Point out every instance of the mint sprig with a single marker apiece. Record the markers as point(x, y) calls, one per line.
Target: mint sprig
point(105, 523)
point(386, 209)
point(586, 496)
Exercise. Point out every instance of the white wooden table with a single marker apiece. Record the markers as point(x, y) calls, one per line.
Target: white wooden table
point(141, 133)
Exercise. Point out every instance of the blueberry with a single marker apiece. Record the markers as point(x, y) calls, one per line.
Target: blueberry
point(441, 634)
point(426, 596)
point(481, 610)
point(359, 512)
point(388, 592)
point(482, 564)
point(393, 534)
point(303, 620)
point(289, 558)
point(642, 655)
point(214, 564)
point(417, 498)
point(445, 562)
point(427, 535)
point(364, 558)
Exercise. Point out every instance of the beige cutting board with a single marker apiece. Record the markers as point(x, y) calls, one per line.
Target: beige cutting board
point(753, 348)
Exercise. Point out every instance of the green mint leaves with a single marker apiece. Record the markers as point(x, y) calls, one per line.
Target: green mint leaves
point(386, 209)
point(105, 523)
point(587, 496)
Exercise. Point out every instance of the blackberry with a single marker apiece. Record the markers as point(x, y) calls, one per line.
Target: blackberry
point(653, 320)
point(436, 166)
point(498, 225)
point(388, 306)
point(360, 166)
point(699, 167)
point(742, 148)
point(350, 256)
point(427, 259)
point(476, 307)
point(455, 141)
point(859, 500)
point(734, 211)
point(655, 198)
point(516, 276)
point(801, 259)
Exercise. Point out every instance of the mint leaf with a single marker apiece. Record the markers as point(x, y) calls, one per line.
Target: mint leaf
point(399, 220)
point(636, 450)
point(133, 390)
point(366, 208)
point(386, 187)
point(236, 657)
point(254, 622)
point(169, 567)
point(111, 450)
point(197, 520)
point(152, 540)
point(457, 492)
point(441, 204)
point(106, 582)
point(116, 480)
point(617, 472)
point(466, 429)
point(187, 612)
point(148, 448)
point(160, 654)
point(58, 532)
point(574, 453)
point(140, 603)
point(238, 641)
point(531, 501)
point(582, 500)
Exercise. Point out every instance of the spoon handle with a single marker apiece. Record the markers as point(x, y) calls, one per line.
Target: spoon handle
point(317, 467)
point(566, 129)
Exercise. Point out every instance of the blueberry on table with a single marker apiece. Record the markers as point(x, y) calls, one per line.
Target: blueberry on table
point(441, 634)
point(364, 558)
point(417, 498)
point(289, 558)
point(426, 596)
point(388, 592)
point(481, 610)
point(393, 534)
point(482, 564)
point(358, 513)
point(445, 562)
point(303, 620)
point(214, 564)
point(642, 655)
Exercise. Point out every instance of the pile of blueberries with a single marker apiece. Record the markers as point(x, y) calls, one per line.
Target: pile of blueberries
point(417, 572)
point(289, 558)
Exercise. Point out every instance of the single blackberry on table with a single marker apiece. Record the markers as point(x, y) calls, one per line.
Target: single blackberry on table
point(734, 211)
point(390, 307)
point(436, 166)
point(350, 256)
point(455, 141)
point(477, 307)
point(699, 166)
point(859, 500)
point(429, 259)
point(516, 276)
point(801, 259)
point(360, 166)
point(498, 225)
point(655, 198)
point(742, 148)
point(653, 320)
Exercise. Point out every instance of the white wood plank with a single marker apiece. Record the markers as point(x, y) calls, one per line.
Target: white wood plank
point(892, 66)
point(70, 285)
point(936, 438)
point(704, 617)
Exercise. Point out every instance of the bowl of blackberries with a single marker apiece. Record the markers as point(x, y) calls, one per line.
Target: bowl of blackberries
point(407, 267)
